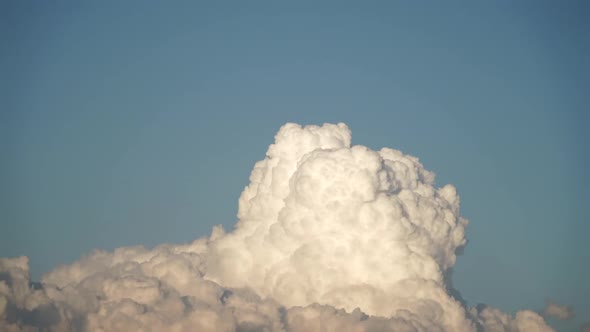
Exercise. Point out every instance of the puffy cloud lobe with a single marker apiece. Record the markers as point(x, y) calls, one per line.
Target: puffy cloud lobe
point(330, 237)
point(494, 320)
point(558, 311)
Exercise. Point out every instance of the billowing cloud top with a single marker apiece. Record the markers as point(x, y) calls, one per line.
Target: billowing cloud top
point(330, 237)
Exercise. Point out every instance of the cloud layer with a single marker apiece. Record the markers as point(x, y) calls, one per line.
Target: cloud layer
point(330, 237)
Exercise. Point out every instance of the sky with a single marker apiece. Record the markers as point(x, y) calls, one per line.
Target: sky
point(127, 123)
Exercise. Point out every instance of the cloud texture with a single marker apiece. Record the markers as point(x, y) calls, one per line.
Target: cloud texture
point(558, 311)
point(331, 237)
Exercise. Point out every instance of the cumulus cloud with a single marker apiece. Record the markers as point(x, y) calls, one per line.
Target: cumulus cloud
point(558, 311)
point(330, 237)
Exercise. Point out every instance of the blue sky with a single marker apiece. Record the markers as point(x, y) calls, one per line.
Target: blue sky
point(126, 123)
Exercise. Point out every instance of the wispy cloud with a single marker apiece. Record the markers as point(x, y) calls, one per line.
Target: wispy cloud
point(558, 311)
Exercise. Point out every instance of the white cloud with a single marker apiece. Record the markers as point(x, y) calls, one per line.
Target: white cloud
point(558, 311)
point(330, 237)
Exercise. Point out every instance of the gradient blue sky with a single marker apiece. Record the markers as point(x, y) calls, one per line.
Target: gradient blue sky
point(128, 122)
